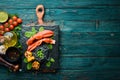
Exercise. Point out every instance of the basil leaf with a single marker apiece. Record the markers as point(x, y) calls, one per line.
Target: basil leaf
point(29, 66)
point(50, 46)
point(52, 60)
point(34, 30)
point(29, 34)
point(25, 60)
point(41, 29)
point(48, 64)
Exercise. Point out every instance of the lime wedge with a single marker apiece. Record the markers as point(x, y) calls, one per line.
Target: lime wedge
point(3, 16)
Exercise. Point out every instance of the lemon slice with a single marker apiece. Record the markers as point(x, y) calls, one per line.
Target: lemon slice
point(3, 16)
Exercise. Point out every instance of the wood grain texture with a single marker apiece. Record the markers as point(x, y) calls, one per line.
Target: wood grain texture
point(89, 37)
point(70, 14)
point(58, 3)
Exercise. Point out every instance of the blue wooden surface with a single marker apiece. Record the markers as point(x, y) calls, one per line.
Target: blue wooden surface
point(89, 37)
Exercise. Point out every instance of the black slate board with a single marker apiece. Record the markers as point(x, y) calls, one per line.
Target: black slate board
point(54, 53)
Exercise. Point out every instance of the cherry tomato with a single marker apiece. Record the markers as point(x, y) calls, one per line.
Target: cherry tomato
point(1, 33)
point(6, 24)
point(14, 18)
point(15, 23)
point(10, 21)
point(19, 20)
point(1, 27)
point(11, 27)
point(7, 29)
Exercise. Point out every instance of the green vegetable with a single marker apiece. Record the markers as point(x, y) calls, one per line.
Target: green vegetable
point(17, 30)
point(18, 45)
point(48, 64)
point(29, 34)
point(25, 60)
point(52, 37)
point(50, 46)
point(11, 15)
point(40, 54)
point(29, 66)
point(52, 60)
point(41, 29)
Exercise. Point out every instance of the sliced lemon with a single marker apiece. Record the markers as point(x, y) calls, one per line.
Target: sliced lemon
point(3, 16)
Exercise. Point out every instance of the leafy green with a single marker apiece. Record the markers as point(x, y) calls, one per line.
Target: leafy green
point(33, 29)
point(48, 64)
point(18, 45)
point(11, 15)
point(29, 66)
point(41, 29)
point(17, 30)
point(29, 34)
point(50, 46)
point(40, 54)
point(52, 60)
point(25, 60)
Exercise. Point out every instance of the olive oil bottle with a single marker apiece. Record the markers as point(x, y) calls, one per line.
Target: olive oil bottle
point(11, 39)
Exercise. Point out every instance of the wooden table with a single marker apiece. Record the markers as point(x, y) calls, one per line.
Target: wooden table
point(89, 37)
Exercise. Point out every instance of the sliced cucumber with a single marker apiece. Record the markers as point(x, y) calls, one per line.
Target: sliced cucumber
point(3, 16)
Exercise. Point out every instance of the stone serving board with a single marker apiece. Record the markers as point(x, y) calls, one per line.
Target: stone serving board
point(54, 53)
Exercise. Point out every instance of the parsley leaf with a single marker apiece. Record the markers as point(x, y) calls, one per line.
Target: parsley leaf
point(40, 54)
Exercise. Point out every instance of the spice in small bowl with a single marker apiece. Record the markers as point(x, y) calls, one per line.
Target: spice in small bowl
point(12, 54)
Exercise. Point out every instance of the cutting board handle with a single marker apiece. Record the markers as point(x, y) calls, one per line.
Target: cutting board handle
point(40, 14)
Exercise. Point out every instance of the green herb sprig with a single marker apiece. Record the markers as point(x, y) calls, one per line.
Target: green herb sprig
point(40, 54)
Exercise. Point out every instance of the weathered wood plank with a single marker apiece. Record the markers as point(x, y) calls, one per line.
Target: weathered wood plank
point(58, 3)
point(108, 26)
point(86, 64)
point(100, 38)
point(65, 75)
point(89, 26)
point(90, 50)
point(89, 41)
point(69, 14)
point(90, 44)
point(90, 63)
